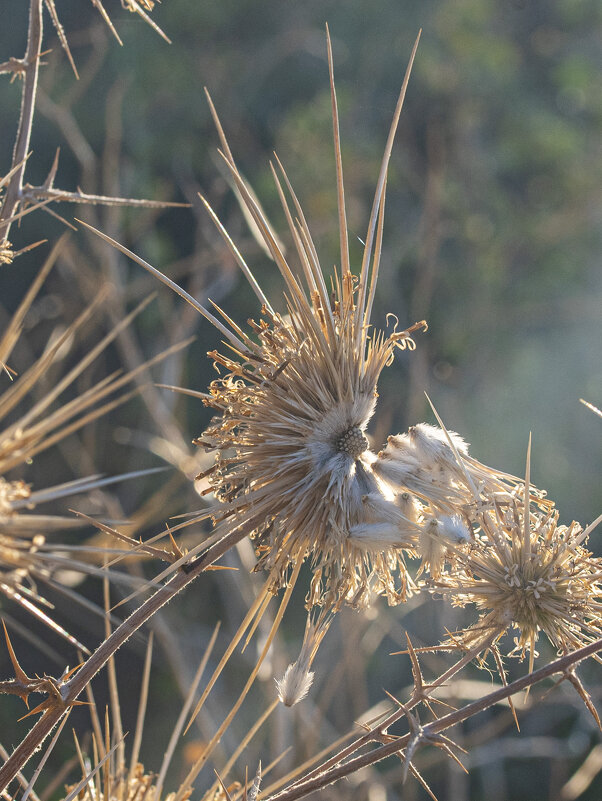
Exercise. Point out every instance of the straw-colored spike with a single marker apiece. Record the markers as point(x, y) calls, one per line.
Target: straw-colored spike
point(168, 282)
point(378, 194)
point(208, 750)
point(527, 510)
point(237, 256)
point(343, 234)
point(311, 251)
point(268, 235)
point(171, 747)
point(14, 327)
point(142, 704)
point(257, 605)
point(302, 253)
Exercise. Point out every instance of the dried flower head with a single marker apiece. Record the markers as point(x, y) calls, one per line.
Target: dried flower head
point(293, 467)
point(527, 571)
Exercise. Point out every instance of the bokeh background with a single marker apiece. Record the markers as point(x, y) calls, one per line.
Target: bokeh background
point(493, 235)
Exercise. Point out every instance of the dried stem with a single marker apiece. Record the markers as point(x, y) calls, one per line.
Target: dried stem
point(31, 66)
point(381, 727)
point(72, 688)
point(326, 777)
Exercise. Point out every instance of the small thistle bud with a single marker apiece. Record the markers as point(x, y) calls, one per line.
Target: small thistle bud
point(432, 446)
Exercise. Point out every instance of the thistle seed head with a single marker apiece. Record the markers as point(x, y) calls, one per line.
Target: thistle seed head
point(293, 467)
point(293, 464)
point(352, 442)
point(533, 574)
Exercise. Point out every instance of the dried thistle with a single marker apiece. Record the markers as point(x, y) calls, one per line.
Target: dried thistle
point(527, 571)
point(532, 574)
point(293, 467)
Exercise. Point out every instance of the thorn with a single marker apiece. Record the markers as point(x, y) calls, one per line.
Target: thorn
point(20, 674)
point(420, 688)
point(177, 552)
point(53, 703)
point(417, 736)
point(571, 675)
point(68, 673)
point(224, 788)
point(443, 742)
point(49, 182)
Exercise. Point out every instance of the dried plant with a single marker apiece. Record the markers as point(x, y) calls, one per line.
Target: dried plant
point(294, 469)
point(20, 199)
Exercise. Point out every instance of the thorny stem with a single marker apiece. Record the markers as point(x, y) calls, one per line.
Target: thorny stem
point(326, 777)
point(72, 688)
point(369, 736)
point(31, 64)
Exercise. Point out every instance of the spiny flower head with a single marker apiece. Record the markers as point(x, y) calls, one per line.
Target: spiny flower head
point(293, 466)
point(527, 571)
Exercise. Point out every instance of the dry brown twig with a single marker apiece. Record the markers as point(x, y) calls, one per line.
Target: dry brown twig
point(322, 778)
point(18, 195)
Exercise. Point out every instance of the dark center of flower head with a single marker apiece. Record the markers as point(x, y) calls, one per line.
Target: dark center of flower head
point(352, 442)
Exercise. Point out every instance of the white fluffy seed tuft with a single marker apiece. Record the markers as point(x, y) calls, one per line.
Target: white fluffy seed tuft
point(454, 529)
point(294, 685)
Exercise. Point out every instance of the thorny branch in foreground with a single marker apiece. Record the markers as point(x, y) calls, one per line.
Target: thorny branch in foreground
point(73, 686)
point(430, 731)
